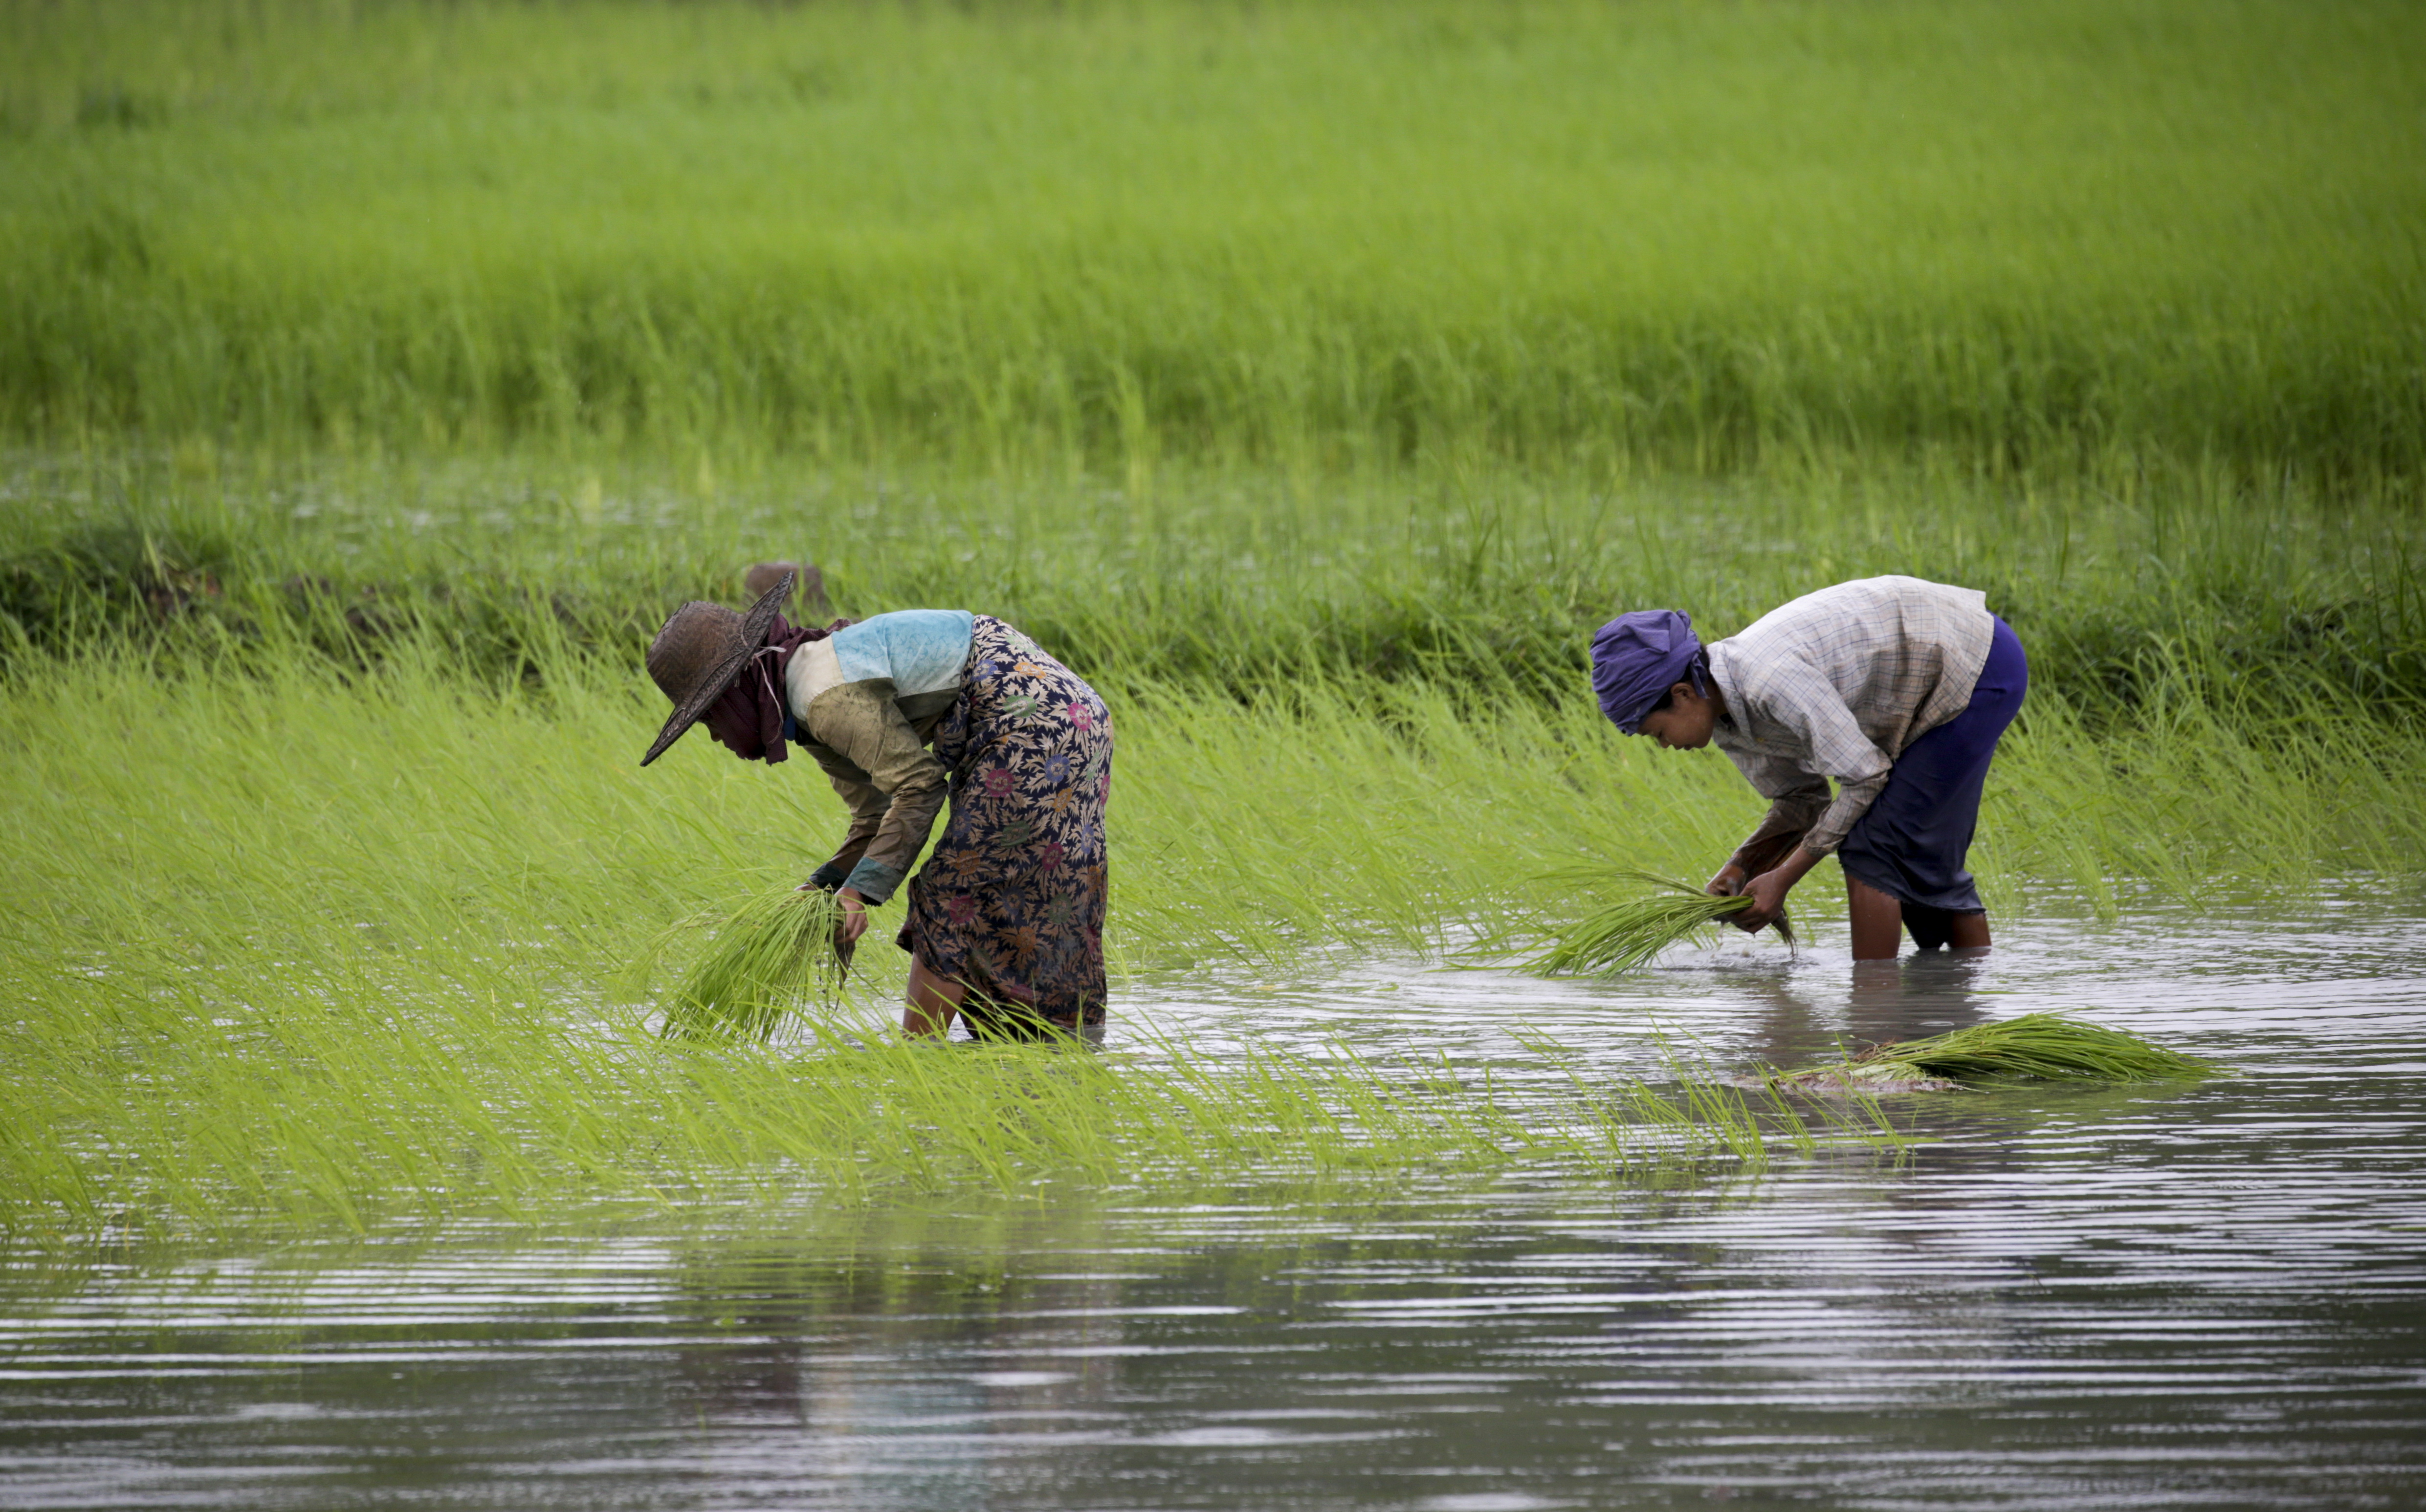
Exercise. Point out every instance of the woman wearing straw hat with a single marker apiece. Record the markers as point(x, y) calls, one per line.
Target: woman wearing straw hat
point(1005, 919)
point(1896, 687)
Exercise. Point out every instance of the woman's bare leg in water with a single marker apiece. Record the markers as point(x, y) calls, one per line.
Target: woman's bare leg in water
point(933, 1001)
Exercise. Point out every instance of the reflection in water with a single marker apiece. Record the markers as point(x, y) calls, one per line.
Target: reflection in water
point(811, 1348)
point(1925, 993)
point(1928, 992)
point(2198, 1297)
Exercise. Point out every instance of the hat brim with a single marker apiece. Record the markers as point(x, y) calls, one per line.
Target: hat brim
point(711, 688)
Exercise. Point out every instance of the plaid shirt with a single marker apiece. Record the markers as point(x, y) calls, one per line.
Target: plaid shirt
point(1836, 685)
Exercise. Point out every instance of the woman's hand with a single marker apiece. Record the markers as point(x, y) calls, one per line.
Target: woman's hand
point(1728, 882)
point(854, 918)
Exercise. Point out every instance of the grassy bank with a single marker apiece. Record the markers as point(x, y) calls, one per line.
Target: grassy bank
point(1590, 236)
point(1242, 583)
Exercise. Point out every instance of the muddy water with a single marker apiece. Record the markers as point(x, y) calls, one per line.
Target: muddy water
point(2206, 1296)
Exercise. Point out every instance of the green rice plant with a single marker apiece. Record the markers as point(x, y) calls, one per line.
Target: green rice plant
point(1305, 234)
point(767, 957)
point(1625, 934)
point(333, 957)
point(331, 945)
point(2034, 1047)
point(1231, 583)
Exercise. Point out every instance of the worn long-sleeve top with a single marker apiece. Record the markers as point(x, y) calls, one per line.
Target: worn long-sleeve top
point(864, 701)
point(1836, 685)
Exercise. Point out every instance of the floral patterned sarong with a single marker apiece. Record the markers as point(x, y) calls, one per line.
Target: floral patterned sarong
point(1011, 899)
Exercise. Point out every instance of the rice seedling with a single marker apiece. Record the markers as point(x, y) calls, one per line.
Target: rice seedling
point(1625, 934)
point(768, 957)
point(2034, 1047)
point(336, 956)
point(336, 948)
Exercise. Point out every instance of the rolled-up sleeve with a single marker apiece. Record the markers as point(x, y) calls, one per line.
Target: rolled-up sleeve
point(1800, 698)
point(893, 785)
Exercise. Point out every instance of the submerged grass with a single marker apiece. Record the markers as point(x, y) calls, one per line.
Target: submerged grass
point(1627, 933)
point(339, 950)
point(2034, 1047)
point(458, 1111)
point(337, 943)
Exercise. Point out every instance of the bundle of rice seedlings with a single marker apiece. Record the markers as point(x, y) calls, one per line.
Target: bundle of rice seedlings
point(770, 954)
point(1629, 932)
point(2037, 1046)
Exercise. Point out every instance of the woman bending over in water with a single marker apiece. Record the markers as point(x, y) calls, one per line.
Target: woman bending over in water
point(902, 712)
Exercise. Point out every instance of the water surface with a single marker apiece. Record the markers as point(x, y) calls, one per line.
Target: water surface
point(2207, 1296)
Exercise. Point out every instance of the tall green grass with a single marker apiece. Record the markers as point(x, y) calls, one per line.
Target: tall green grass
point(2225, 685)
point(1242, 582)
point(346, 943)
point(1113, 235)
point(345, 949)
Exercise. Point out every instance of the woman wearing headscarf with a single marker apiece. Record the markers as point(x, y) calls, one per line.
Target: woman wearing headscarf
point(904, 712)
point(1895, 688)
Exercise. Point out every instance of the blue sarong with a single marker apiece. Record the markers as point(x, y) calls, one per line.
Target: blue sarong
point(1913, 841)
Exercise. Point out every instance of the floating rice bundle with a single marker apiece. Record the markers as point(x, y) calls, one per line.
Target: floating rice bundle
point(770, 954)
point(1629, 932)
point(2037, 1046)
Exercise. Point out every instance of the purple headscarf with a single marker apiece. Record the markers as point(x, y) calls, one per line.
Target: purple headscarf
point(748, 717)
point(1637, 657)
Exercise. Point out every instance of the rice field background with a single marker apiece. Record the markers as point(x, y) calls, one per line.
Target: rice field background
point(1701, 235)
point(374, 377)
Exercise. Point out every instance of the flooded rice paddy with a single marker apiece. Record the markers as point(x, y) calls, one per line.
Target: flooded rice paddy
point(2201, 1295)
